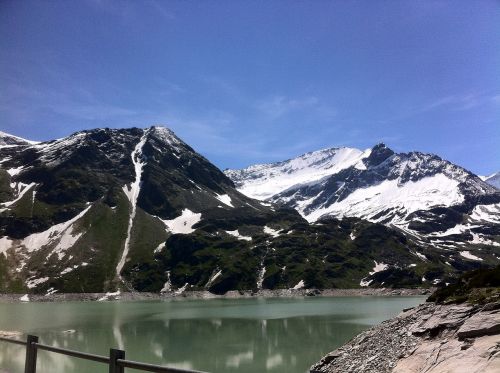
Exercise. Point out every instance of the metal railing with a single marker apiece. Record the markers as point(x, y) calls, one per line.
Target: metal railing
point(116, 359)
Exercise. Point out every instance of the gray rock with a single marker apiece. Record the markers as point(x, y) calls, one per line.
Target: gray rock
point(483, 323)
point(429, 338)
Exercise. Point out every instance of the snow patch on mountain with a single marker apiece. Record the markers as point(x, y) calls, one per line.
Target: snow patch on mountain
point(468, 255)
point(486, 213)
point(160, 247)
point(168, 284)
point(457, 229)
point(22, 189)
point(238, 235)
point(480, 240)
point(52, 150)
point(5, 244)
point(183, 224)
point(379, 267)
point(182, 289)
point(167, 136)
point(15, 171)
point(300, 285)
point(225, 199)
point(67, 240)
point(112, 295)
point(34, 282)
point(432, 191)
point(270, 231)
point(61, 233)
point(214, 277)
point(69, 269)
point(260, 277)
point(132, 194)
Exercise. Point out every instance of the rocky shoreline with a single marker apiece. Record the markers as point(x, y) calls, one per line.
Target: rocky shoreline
point(429, 338)
point(135, 296)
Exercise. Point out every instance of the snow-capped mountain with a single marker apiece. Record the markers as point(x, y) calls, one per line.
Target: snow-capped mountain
point(264, 181)
point(420, 194)
point(493, 179)
point(10, 140)
point(105, 188)
point(140, 209)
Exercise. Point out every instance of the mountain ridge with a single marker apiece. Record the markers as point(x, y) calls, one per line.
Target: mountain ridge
point(139, 209)
point(493, 179)
point(415, 192)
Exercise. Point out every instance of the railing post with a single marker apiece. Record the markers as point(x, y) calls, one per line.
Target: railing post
point(31, 352)
point(114, 355)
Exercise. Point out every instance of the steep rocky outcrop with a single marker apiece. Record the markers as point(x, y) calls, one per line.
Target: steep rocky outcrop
point(429, 338)
point(458, 333)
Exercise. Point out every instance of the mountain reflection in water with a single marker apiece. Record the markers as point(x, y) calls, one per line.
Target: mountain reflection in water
point(246, 335)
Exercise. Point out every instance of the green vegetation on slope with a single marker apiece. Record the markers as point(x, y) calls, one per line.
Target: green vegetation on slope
point(477, 286)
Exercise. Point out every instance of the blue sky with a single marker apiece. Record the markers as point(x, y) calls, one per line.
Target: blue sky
point(255, 81)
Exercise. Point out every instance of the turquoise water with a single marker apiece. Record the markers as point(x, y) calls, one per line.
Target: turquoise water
point(282, 335)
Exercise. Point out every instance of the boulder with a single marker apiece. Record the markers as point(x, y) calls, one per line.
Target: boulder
point(483, 323)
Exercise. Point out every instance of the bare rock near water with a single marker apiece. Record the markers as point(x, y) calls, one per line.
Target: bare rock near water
point(429, 338)
point(451, 355)
point(442, 318)
point(483, 323)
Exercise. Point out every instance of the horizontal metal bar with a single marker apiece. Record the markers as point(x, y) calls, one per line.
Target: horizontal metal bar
point(81, 355)
point(103, 359)
point(15, 341)
point(153, 368)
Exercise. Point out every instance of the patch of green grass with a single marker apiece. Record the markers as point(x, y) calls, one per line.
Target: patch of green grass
point(476, 287)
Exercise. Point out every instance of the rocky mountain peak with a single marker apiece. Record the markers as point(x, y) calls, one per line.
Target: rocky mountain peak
point(378, 154)
point(420, 194)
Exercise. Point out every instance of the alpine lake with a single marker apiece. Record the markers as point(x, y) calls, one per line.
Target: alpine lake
point(282, 335)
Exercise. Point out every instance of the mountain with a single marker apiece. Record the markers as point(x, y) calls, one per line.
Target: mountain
point(493, 179)
point(98, 200)
point(10, 140)
point(139, 209)
point(430, 200)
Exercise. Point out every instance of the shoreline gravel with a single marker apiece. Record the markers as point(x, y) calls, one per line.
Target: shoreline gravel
point(281, 293)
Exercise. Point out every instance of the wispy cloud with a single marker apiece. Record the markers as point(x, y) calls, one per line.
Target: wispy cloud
point(78, 103)
point(496, 99)
point(160, 7)
point(459, 102)
point(278, 106)
point(128, 10)
point(451, 103)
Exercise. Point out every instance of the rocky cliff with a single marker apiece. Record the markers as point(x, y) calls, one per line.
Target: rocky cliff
point(445, 336)
point(429, 338)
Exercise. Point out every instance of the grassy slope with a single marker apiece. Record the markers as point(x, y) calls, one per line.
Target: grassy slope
point(324, 256)
point(479, 286)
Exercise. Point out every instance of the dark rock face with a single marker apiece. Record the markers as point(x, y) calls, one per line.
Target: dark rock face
point(379, 154)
